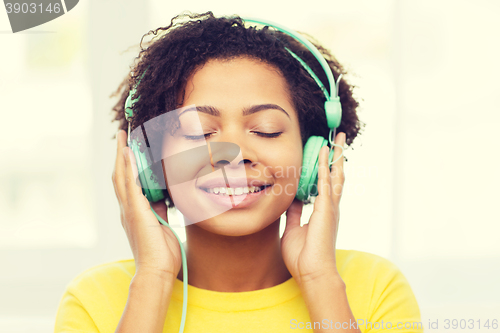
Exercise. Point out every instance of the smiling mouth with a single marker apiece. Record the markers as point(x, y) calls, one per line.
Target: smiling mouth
point(234, 191)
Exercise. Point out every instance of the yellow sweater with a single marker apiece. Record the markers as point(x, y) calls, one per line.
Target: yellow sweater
point(377, 291)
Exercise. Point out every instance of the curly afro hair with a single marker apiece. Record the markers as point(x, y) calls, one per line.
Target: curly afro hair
point(175, 52)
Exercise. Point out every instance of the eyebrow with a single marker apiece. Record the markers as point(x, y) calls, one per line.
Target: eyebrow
point(213, 111)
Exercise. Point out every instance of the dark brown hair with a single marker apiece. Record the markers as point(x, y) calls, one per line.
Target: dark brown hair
point(179, 49)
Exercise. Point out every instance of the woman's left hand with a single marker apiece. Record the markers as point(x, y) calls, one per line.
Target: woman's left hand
point(309, 251)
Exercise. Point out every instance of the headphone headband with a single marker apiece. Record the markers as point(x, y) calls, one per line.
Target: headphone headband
point(333, 85)
point(333, 108)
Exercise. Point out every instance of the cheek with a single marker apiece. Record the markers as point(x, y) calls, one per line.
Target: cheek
point(184, 166)
point(286, 166)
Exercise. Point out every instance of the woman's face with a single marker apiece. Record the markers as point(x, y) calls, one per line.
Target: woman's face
point(229, 106)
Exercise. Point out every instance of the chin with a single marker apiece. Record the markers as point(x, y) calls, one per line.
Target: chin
point(234, 225)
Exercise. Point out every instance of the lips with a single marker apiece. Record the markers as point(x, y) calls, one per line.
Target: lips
point(234, 190)
point(232, 183)
point(235, 201)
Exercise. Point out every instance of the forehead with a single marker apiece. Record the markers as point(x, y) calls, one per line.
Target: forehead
point(233, 84)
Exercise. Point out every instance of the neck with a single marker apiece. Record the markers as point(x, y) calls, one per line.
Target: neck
point(235, 264)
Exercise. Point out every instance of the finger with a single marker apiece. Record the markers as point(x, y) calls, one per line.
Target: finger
point(161, 209)
point(118, 176)
point(324, 182)
point(337, 173)
point(135, 198)
point(293, 214)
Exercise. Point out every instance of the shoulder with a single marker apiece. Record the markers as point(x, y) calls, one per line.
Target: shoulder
point(94, 300)
point(353, 260)
point(368, 272)
point(110, 275)
point(376, 288)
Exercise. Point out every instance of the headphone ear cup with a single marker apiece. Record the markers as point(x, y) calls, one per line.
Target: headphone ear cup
point(314, 184)
point(308, 182)
point(333, 110)
point(151, 187)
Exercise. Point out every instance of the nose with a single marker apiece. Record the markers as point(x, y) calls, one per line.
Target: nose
point(230, 153)
point(225, 154)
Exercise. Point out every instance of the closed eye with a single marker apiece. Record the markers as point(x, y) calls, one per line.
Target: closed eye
point(269, 135)
point(197, 137)
point(207, 135)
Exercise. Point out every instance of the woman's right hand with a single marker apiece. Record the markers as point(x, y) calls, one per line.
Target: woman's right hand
point(154, 246)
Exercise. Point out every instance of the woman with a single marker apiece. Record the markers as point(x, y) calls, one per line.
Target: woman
point(216, 82)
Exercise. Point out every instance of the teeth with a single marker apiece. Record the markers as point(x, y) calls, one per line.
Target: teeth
point(233, 191)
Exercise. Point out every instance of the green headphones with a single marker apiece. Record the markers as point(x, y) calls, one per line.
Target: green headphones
point(151, 185)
